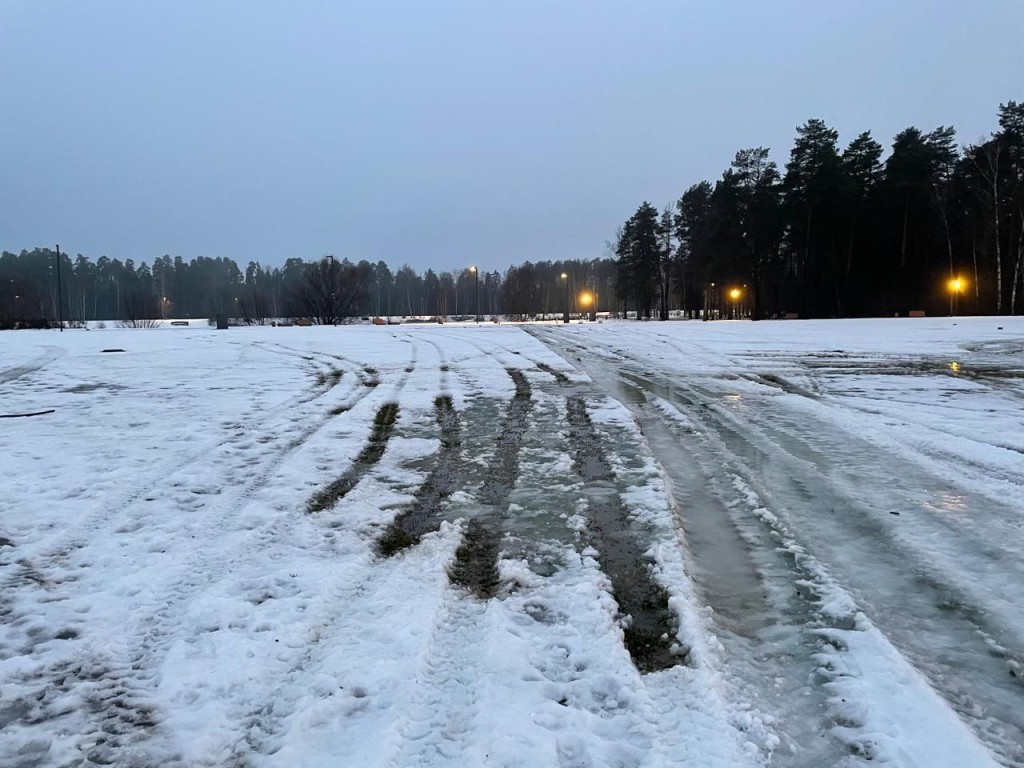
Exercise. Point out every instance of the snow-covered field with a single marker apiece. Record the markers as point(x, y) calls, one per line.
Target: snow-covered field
point(619, 544)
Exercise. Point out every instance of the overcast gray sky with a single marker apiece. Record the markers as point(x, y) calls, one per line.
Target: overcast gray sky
point(441, 134)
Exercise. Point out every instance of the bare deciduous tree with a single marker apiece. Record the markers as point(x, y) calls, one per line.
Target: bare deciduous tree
point(329, 291)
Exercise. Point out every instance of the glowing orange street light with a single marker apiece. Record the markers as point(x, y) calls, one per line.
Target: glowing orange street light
point(735, 295)
point(587, 301)
point(955, 285)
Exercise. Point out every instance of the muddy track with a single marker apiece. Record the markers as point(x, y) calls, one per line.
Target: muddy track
point(504, 466)
point(423, 516)
point(649, 624)
point(383, 426)
point(906, 595)
point(741, 572)
point(476, 561)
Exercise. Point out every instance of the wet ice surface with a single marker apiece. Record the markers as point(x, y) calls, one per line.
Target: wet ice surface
point(831, 511)
point(888, 461)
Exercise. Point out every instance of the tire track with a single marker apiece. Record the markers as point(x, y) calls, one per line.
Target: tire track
point(924, 599)
point(383, 426)
point(476, 561)
point(650, 626)
point(443, 709)
point(423, 516)
point(19, 371)
point(248, 475)
point(119, 684)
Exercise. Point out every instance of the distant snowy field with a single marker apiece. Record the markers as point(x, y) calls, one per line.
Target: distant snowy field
point(415, 545)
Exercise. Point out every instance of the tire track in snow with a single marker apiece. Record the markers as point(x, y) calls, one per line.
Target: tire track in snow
point(19, 371)
point(649, 624)
point(250, 461)
point(836, 621)
point(748, 462)
point(383, 426)
point(264, 725)
point(766, 622)
point(118, 678)
point(441, 715)
point(476, 561)
point(206, 568)
point(214, 565)
point(424, 514)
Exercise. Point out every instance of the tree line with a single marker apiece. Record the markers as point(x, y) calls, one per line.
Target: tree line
point(325, 290)
point(932, 227)
point(837, 232)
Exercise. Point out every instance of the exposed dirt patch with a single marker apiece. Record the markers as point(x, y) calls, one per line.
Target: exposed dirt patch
point(329, 378)
point(84, 388)
point(383, 425)
point(424, 514)
point(504, 466)
point(476, 559)
point(650, 624)
point(774, 380)
point(560, 377)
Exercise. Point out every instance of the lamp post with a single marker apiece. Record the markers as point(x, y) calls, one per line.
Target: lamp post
point(709, 301)
point(476, 290)
point(956, 285)
point(60, 301)
point(735, 295)
point(330, 284)
point(565, 317)
point(587, 300)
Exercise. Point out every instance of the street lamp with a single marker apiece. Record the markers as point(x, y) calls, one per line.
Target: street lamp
point(587, 300)
point(476, 289)
point(565, 317)
point(330, 309)
point(709, 301)
point(60, 299)
point(956, 285)
point(735, 294)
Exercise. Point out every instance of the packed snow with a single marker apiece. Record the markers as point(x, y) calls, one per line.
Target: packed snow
point(793, 543)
